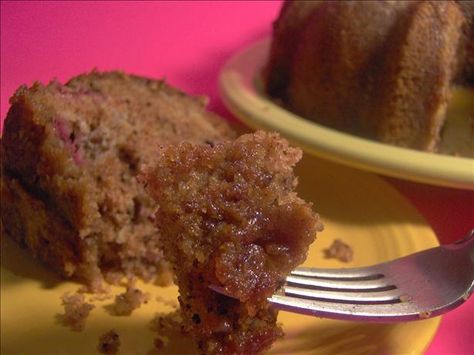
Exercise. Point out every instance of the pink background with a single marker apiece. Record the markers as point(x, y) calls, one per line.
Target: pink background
point(186, 42)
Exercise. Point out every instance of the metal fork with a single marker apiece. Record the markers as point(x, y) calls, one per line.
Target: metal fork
point(418, 286)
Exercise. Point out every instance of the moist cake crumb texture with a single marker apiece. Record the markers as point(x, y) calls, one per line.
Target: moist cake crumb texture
point(69, 158)
point(228, 216)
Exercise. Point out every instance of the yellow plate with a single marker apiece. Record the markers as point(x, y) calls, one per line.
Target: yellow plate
point(357, 207)
point(239, 86)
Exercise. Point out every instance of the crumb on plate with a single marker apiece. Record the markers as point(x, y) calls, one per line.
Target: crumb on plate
point(76, 311)
point(340, 251)
point(109, 343)
point(131, 299)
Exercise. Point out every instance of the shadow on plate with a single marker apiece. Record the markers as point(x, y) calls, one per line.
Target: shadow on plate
point(18, 265)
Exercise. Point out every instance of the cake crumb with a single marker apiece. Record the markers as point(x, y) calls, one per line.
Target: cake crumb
point(405, 298)
point(109, 343)
point(340, 251)
point(424, 315)
point(76, 311)
point(127, 302)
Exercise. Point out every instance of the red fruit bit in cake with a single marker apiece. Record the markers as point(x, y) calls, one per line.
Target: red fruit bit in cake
point(68, 136)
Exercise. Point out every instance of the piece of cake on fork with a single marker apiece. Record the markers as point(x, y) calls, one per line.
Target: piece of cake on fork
point(228, 218)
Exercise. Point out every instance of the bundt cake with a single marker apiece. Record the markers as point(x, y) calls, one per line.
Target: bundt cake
point(228, 217)
point(70, 154)
point(379, 69)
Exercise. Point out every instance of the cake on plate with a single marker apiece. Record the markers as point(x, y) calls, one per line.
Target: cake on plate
point(379, 69)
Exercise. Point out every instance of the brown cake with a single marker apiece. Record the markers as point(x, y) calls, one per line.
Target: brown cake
point(379, 69)
point(69, 158)
point(228, 219)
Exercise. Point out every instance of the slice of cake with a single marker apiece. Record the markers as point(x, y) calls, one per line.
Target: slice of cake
point(70, 154)
point(228, 218)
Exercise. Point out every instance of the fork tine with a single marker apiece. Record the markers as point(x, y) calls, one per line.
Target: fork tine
point(343, 273)
point(356, 284)
point(347, 311)
point(391, 296)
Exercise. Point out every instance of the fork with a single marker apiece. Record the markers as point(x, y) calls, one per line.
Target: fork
point(418, 286)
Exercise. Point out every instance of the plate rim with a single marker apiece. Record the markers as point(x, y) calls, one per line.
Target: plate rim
point(239, 94)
